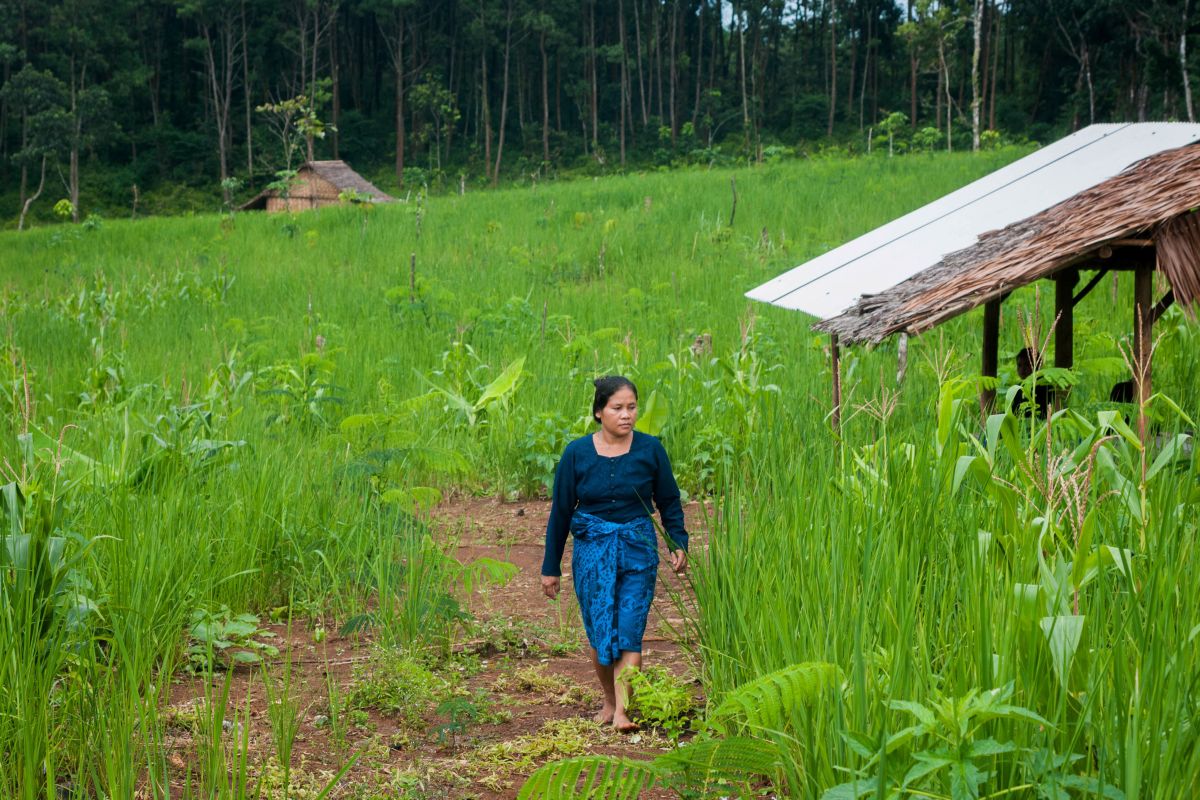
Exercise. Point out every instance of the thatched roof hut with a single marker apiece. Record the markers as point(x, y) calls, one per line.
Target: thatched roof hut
point(1115, 197)
point(1116, 224)
point(318, 183)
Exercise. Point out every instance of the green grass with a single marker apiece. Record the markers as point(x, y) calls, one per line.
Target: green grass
point(247, 405)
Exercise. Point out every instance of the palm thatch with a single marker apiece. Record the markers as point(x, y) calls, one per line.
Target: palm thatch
point(319, 183)
point(1151, 198)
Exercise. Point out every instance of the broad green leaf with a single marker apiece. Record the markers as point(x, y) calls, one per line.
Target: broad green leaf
point(923, 714)
point(654, 415)
point(977, 466)
point(503, 385)
point(1113, 420)
point(852, 790)
point(1172, 451)
point(989, 747)
point(246, 657)
point(927, 763)
point(1063, 634)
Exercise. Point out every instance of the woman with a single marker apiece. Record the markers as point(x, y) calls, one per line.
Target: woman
point(605, 488)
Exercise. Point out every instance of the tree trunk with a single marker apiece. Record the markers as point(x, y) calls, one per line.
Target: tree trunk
point(853, 75)
point(742, 69)
point(1183, 65)
point(637, 32)
point(832, 64)
point(674, 73)
point(912, 88)
point(397, 53)
point(485, 112)
point(624, 73)
point(595, 85)
point(949, 97)
point(503, 96)
point(29, 201)
point(335, 86)
point(976, 99)
point(699, 62)
point(994, 29)
point(249, 105)
point(545, 99)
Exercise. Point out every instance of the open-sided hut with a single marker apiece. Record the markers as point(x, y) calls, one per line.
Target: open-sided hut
point(319, 183)
point(1110, 197)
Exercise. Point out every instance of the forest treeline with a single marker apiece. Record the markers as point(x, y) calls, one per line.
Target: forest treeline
point(127, 98)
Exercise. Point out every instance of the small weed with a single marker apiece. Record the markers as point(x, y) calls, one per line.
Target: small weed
point(400, 686)
point(222, 632)
point(662, 700)
point(558, 738)
point(578, 695)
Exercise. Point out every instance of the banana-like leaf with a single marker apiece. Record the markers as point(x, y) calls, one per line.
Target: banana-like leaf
point(503, 386)
point(769, 702)
point(654, 416)
point(591, 778)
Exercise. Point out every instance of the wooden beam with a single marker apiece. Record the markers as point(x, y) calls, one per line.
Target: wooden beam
point(1162, 305)
point(1100, 273)
point(836, 364)
point(1064, 325)
point(1143, 331)
point(991, 350)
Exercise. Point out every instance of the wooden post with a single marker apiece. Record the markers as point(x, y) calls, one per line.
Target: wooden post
point(991, 354)
point(836, 364)
point(1143, 332)
point(1064, 326)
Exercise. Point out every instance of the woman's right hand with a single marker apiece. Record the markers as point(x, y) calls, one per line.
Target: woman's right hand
point(550, 586)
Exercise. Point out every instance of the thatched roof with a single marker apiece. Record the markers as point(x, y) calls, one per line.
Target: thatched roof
point(335, 172)
point(340, 175)
point(1138, 202)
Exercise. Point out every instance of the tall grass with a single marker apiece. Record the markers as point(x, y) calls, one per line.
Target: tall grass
point(235, 413)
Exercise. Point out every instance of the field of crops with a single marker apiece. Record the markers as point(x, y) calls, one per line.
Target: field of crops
point(225, 440)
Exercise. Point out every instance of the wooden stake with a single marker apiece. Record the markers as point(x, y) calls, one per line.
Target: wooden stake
point(836, 364)
point(991, 354)
point(1143, 332)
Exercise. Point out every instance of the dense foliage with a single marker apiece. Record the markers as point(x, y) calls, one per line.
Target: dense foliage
point(146, 106)
point(207, 418)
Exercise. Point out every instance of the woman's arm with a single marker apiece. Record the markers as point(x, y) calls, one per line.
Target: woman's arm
point(561, 509)
point(667, 499)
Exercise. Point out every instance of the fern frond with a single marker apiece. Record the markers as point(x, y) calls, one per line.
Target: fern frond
point(721, 761)
point(602, 777)
point(768, 702)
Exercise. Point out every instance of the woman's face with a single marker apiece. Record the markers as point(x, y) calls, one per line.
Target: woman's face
point(617, 418)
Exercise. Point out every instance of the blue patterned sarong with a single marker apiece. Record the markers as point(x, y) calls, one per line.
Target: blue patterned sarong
point(614, 566)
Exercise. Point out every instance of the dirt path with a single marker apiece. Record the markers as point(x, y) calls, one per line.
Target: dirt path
point(523, 691)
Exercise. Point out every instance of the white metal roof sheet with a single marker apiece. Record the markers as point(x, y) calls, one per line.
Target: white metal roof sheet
point(832, 282)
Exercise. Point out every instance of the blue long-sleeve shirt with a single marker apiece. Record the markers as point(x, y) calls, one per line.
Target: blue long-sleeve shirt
point(617, 489)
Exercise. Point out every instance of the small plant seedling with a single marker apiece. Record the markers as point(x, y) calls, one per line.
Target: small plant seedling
point(221, 633)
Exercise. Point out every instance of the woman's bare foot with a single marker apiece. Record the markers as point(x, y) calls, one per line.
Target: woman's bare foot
point(605, 715)
point(623, 724)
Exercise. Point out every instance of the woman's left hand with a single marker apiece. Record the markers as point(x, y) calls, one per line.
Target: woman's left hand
point(678, 560)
